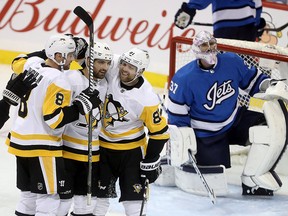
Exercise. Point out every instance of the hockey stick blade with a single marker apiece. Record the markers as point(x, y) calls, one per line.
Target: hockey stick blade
point(83, 15)
point(209, 190)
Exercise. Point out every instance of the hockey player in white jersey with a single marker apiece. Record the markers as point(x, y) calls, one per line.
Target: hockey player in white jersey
point(36, 134)
point(75, 140)
point(130, 106)
point(203, 96)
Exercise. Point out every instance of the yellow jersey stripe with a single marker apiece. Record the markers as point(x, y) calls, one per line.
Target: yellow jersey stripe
point(119, 135)
point(35, 137)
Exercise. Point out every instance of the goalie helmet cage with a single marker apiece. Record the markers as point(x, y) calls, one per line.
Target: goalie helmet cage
point(269, 59)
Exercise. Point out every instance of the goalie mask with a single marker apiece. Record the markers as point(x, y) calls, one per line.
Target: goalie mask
point(62, 44)
point(205, 47)
point(138, 58)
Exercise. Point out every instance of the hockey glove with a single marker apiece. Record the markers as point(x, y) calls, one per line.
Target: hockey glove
point(268, 83)
point(260, 27)
point(150, 169)
point(184, 16)
point(81, 47)
point(87, 101)
point(18, 86)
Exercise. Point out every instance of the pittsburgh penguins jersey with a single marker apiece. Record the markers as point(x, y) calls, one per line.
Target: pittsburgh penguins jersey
point(37, 129)
point(127, 110)
point(75, 136)
point(206, 100)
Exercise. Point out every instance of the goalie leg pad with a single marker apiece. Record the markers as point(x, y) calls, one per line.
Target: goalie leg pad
point(181, 139)
point(268, 143)
point(189, 181)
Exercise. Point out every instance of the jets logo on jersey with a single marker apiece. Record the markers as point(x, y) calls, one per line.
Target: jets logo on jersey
point(113, 111)
point(217, 94)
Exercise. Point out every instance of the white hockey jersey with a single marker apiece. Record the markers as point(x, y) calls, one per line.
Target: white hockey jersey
point(75, 136)
point(36, 130)
point(127, 111)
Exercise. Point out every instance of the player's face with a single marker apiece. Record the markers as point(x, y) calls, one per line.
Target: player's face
point(211, 45)
point(100, 68)
point(127, 71)
point(69, 59)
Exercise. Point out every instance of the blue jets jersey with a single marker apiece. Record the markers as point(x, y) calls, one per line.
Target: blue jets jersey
point(231, 13)
point(207, 100)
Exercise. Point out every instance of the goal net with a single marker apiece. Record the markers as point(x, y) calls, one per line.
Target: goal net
point(269, 59)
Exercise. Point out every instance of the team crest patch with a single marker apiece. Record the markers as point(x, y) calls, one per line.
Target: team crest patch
point(40, 186)
point(137, 188)
point(100, 186)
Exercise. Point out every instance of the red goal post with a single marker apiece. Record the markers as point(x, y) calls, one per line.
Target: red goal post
point(270, 59)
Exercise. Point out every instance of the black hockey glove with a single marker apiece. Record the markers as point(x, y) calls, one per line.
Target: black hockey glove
point(150, 169)
point(184, 16)
point(18, 86)
point(260, 28)
point(81, 46)
point(87, 101)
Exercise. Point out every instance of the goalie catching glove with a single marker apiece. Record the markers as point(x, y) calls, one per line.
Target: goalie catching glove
point(87, 101)
point(184, 16)
point(150, 169)
point(18, 86)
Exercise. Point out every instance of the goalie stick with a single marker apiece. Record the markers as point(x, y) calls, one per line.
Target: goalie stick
point(209, 190)
point(86, 18)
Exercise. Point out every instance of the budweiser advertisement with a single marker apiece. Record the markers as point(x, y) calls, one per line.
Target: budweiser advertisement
point(25, 25)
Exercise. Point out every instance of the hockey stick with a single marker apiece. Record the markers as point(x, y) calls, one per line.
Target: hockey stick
point(277, 29)
point(145, 196)
point(201, 24)
point(209, 190)
point(265, 29)
point(86, 18)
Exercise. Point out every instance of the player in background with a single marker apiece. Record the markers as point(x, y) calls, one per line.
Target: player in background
point(15, 89)
point(130, 106)
point(80, 50)
point(240, 20)
point(203, 95)
point(36, 135)
point(75, 140)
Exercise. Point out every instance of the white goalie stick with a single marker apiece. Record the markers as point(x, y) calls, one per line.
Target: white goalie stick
point(209, 190)
point(86, 18)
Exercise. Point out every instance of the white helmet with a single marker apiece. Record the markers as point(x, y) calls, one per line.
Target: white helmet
point(62, 44)
point(101, 51)
point(205, 47)
point(138, 58)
